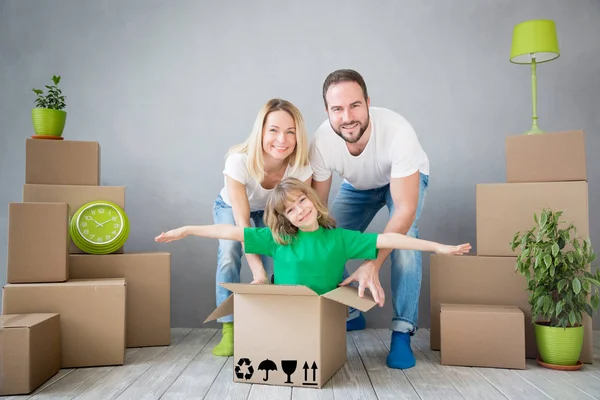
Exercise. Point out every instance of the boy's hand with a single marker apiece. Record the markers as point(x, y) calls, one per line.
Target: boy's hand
point(169, 236)
point(454, 250)
point(262, 279)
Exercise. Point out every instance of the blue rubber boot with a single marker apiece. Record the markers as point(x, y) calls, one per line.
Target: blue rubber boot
point(401, 355)
point(356, 324)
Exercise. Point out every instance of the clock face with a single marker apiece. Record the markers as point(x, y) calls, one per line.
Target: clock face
point(100, 223)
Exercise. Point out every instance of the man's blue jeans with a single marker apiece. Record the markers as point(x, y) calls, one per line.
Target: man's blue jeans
point(355, 209)
point(229, 253)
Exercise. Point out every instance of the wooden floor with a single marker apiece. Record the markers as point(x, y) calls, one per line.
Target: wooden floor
point(188, 370)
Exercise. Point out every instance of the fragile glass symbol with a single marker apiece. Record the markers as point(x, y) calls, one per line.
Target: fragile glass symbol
point(289, 367)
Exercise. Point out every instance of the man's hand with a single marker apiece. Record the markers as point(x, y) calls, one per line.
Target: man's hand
point(367, 276)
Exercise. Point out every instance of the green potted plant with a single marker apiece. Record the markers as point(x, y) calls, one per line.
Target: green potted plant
point(49, 117)
point(555, 261)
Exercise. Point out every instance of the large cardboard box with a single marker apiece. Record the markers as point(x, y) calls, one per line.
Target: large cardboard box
point(478, 335)
point(38, 239)
point(76, 196)
point(288, 335)
point(92, 317)
point(29, 351)
point(550, 157)
point(148, 278)
point(474, 279)
point(502, 209)
point(62, 162)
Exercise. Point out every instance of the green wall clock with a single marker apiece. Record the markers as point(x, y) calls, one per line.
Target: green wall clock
point(99, 227)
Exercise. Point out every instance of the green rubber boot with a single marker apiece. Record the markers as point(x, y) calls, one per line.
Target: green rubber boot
point(225, 347)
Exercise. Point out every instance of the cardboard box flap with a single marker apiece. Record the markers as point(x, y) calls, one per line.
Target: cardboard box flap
point(226, 308)
point(22, 320)
point(348, 295)
point(289, 290)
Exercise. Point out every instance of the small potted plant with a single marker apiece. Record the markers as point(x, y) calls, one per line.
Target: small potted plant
point(49, 117)
point(555, 261)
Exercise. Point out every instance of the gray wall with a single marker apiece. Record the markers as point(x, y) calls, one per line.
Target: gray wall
point(167, 87)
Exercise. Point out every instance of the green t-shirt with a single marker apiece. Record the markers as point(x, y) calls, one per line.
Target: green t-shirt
point(313, 259)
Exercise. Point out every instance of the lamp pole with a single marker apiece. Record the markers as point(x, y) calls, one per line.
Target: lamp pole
point(534, 128)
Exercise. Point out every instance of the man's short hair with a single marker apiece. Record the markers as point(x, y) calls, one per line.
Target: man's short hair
point(344, 75)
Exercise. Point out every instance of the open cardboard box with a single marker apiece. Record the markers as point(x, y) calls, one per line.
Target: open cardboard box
point(288, 335)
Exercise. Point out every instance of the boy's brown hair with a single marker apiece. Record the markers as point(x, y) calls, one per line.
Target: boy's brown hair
point(285, 192)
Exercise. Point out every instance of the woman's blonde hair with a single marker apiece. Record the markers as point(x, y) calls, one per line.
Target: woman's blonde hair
point(286, 192)
point(252, 146)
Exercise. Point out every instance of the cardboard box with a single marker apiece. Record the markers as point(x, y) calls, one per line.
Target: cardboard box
point(148, 278)
point(92, 317)
point(528, 156)
point(62, 162)
point(38, 239)
point(482, 336)
point(288, 335)
point(502, 209)
point(474, 279)
point(29, 351)
point(76, 196)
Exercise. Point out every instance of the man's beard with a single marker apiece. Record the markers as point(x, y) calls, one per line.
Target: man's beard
point(361, 132)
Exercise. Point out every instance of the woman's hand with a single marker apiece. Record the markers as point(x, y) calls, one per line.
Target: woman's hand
point(454, 250)
point(260, 279)
point(174, 234)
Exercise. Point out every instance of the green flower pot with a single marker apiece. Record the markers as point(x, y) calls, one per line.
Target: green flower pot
point(48, 122)
point(557, 345)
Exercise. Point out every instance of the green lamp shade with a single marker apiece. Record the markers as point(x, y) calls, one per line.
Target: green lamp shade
point(537, 38)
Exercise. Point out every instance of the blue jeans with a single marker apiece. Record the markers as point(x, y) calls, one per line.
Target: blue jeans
point(229, 253)
point(355, 209)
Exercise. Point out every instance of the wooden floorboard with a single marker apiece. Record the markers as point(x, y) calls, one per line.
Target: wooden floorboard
point(186, 369)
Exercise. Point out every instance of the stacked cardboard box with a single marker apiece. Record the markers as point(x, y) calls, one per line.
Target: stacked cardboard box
point(104, 303)
point(547, 170)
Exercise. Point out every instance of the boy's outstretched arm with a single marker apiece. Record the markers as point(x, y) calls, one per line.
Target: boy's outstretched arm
point(392, 240)
point(218, 231)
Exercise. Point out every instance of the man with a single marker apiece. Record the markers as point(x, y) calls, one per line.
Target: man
point(379, 156)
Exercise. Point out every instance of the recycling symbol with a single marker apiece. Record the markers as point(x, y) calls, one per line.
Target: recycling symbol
point(238, 369)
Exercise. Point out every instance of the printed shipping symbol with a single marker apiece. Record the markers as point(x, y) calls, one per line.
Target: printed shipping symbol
point(238, 369)
point(314, 374)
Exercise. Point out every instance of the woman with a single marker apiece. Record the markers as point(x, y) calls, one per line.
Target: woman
point(277, 148)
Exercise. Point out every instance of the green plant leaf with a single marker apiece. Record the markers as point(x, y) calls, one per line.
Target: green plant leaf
point(552, 270)
point(548, 260)
point(559, 308)
point(544, 219)
point(561, 285)
point(572, 318)
point(588, 310)
point(595, 301)
point(555, 249)
point(576, 285)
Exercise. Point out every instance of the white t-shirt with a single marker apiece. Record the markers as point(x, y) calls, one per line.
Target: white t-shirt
point(393, 151)
point(236, 168)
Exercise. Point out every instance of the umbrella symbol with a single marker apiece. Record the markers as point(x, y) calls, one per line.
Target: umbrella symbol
point(267, 365)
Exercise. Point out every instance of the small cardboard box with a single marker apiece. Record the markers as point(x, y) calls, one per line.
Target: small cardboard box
point(62, 162)
point(482, 336)
point(502, 209)
point(92, 317)
point(288, 335)
point(148, 278)
point(527, 157)
point(473, 279)
point(29, 351)
point(75, 196)
point(38, 239)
